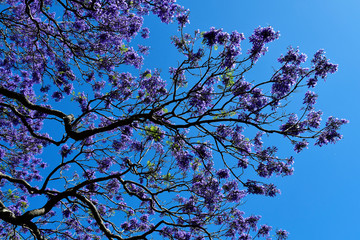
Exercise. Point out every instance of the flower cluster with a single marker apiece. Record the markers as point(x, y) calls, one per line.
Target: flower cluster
point(293, 126)
point(203, 151)
point(201, 99)
point(299, 146)
point(215, 36)
point(178, 76)
point(330, 134)
point(322, 66)
point(259, 38)
point(254, 187)
point(209, 189)
point(310, 98)
point(289, 74)
point(152, 87)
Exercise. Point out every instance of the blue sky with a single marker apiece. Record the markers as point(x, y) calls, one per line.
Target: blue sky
point(320, 201)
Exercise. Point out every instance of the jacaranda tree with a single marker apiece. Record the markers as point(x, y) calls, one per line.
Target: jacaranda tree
point(96, 146)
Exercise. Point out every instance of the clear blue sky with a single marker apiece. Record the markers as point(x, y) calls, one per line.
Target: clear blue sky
point(321, 200)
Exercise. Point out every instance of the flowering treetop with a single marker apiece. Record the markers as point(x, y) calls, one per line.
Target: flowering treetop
point(140, 156)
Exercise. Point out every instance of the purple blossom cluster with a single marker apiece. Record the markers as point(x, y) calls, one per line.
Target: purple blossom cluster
point(239, 225)
point(215, 36)
point(267, 169)
point(232, 50)
point(207, 188)
point(259, 38)
point(178, 76)
point(183, 159)
point(152, 87)
point(167, 10)
point(254, 187)
point(314, 119)
point(293, 126)
point(254, 101)
point(240, 87)
point(330, 134)
point(231, 43)
point(223, 131)
point(223, 173)
point(242, 144)
point(310, 98)
point(322, 66)
point(123, 85)
point(290, 73)
point(203, 151)
point(299, 146)
point(200, 99)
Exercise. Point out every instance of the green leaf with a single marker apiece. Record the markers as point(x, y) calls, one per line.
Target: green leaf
point(123, 49)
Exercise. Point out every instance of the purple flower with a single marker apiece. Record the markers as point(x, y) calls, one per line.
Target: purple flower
point(68, 88)
point(230, 185)
point(119, 144)
point(330, 134)
point(104, 164)
point(143, 49)
point(292, 127)
point(145, 33)
point(293, 57)
point(144, 218)
point(65, 151)
point(183, 159)
point(57, 96)
point(89, 174)
point(200, 99)
point(299, 146)
point(132, 58)
point(82, 100)
point(215, 36)
point(203, 151)
point(223, 173)
point(265, 230)
point(310, 98)
point(321, 65)
point(311, 82)
point(240, 87)
point(125, 226)
point(314, 119)
point(260, 37)
point(67, 213)
point(243, 163)
point(183, 19)
point(236, 195)
point(236, 38)
point(271, 190)
point(229, 54)
point(223, 131)
point(254, 188)
point(98, 85)
point(113, 186)
point(245, 236)
point(282, 234)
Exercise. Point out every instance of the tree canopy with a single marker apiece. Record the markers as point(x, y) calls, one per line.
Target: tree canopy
point(95, 146)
